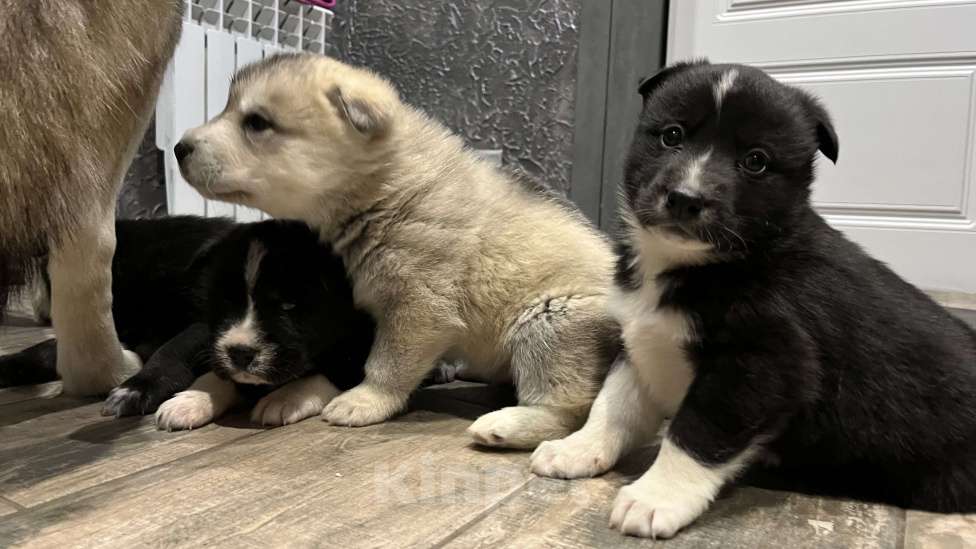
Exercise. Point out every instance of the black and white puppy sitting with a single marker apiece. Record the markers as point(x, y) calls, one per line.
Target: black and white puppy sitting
point(760, 329)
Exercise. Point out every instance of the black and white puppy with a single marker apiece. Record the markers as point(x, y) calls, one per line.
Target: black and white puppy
point(226, 313)
point(759, 328)
point(280, 318)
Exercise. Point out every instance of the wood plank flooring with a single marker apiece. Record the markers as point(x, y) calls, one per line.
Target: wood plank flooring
point(72, 478)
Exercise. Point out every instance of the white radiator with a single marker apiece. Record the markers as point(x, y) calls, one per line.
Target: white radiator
point(219, 36)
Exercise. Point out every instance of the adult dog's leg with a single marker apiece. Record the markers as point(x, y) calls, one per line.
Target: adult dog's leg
point(91, 360)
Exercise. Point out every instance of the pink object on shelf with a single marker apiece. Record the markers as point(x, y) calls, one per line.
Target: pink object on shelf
point(327, 4)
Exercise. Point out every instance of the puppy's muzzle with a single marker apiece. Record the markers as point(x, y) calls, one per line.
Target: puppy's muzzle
point(241, 357)
point(683, 207)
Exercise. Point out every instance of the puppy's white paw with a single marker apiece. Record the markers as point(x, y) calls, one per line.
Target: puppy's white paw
point(522, 427)
point(575, 456)
point(495, 428)
point(362, 405)
point(187, 410)
point(653, 512)
point(294, 402)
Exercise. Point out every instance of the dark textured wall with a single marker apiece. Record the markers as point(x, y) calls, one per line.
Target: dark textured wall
point(144, 193)
point(500, 72)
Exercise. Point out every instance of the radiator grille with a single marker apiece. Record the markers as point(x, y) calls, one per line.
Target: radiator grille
point(219, 36)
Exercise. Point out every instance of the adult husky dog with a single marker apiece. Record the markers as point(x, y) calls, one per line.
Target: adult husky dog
point(80, 79)
point(450, 256)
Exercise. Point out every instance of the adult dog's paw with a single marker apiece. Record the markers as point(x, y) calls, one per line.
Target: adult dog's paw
point(653, 512)
point(362, 405)
point(187, 410)
point(81, 377)
point(571, 457)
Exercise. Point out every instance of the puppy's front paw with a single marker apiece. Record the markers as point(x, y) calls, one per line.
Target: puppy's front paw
point(294, 402)
point(522, 427)
point(362, 405)
point(186, 410)
point(128, 401)
point(571, 457)
point(652, 512)
point(495, 428)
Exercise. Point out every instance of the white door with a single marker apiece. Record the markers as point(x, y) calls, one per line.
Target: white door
point(898, 78)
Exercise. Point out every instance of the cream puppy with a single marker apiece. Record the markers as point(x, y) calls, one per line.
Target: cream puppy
point(452, 257)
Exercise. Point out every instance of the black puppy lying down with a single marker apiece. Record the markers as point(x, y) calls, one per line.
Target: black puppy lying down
point(227, 313)
point(761, 330)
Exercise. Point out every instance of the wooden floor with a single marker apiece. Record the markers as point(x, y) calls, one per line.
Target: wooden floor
point(71, 478)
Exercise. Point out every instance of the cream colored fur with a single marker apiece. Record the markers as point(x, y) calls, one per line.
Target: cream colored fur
point(451, 256)
point(79, 83)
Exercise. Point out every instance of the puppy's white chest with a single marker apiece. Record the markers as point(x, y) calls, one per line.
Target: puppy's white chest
point(655, 340)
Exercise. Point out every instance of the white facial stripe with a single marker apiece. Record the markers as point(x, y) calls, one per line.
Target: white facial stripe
point(723, 86)
point(254, 256)
point(243, 334)
point(691, 184)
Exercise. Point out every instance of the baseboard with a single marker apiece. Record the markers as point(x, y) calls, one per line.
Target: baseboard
point(957, 300)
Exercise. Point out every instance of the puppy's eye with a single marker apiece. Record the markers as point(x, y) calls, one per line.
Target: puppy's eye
point(287, 306)
point(672, 136)
point(755, 162)
point(256, 123)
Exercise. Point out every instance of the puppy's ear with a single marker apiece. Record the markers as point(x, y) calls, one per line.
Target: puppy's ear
point(654, 81)
point(368, 118)
point(826, 136)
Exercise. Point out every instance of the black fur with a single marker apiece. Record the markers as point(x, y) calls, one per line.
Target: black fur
point(178, 283)
point(802, 342)
point(321, 328)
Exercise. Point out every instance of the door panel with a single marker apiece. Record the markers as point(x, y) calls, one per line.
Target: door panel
point(898, 78)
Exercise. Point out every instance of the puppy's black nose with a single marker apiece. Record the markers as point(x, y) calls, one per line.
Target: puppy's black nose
point(240, 356)
point(182, 150)
point(684, 207)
